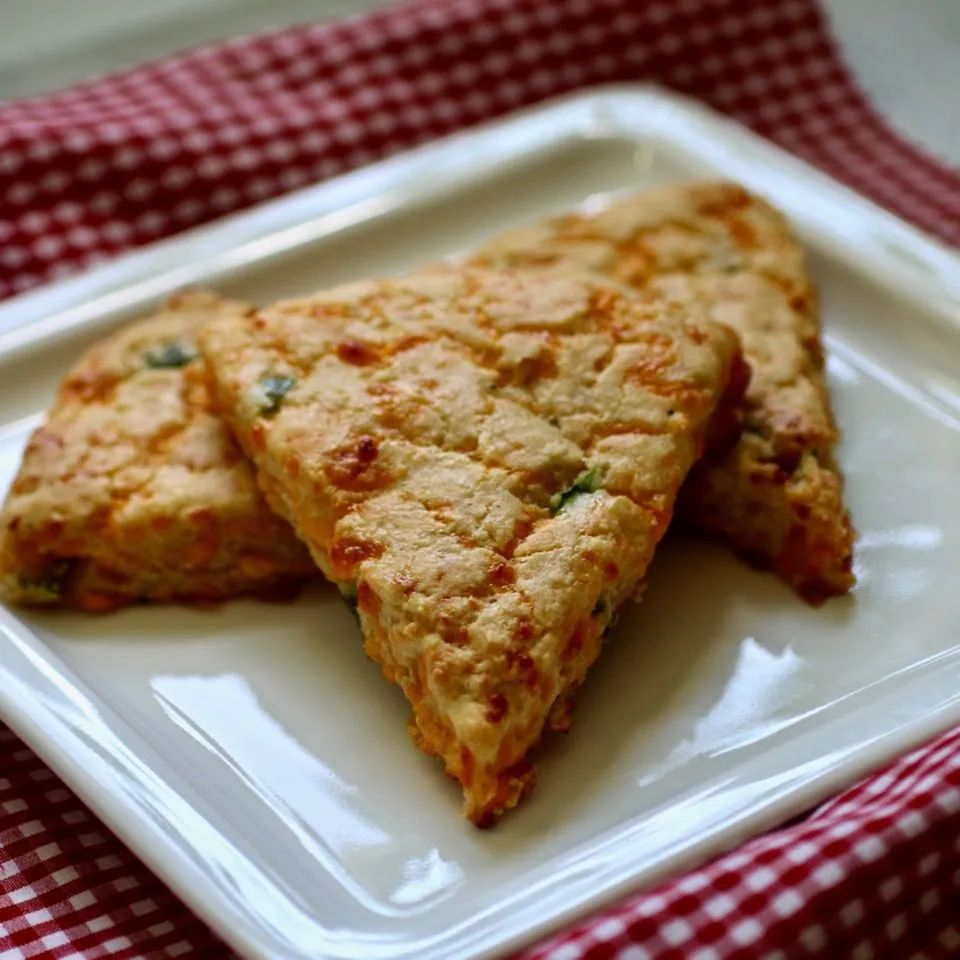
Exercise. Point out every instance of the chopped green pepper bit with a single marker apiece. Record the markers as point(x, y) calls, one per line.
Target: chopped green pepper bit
point(586, 482)
point(349, 593)
point(273, 389)
point(48, 585)
point(170, 355)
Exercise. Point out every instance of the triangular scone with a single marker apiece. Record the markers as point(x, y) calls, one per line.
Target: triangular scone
point(133, 489)
point(486, 460)
point(777, 496)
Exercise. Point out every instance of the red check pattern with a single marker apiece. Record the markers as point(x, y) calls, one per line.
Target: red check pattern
point(873, 873)
point(109, 165)
point(122, 161)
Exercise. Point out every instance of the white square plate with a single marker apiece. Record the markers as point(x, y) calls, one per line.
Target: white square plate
point(258, 762)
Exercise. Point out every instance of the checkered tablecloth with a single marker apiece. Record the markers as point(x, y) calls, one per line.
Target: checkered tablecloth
point(115, 163)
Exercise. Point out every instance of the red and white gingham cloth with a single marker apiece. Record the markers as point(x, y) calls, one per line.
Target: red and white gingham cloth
point(121, 161)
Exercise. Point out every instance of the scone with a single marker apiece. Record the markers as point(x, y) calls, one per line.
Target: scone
point(777, 495)
point(134, 490)
point(485, 461)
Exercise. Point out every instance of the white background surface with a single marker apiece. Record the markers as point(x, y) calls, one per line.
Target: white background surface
point(905, 54)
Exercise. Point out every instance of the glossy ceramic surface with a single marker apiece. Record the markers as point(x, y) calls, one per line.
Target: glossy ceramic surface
point(258, 762)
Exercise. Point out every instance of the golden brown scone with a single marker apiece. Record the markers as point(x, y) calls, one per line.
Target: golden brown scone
point(133, 489)
point(486, 461)
point(777, 496)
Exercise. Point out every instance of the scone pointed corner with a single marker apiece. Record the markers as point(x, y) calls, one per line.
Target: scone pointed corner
point(789, 520)
point(486, 460)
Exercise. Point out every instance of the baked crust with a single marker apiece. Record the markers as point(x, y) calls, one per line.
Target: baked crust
point(777, 496)
point(486, 460)
point(134, 490)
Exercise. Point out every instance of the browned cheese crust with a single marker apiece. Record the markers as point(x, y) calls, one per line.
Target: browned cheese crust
point(486, 460)
point(777, 495)
point(133, 489)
